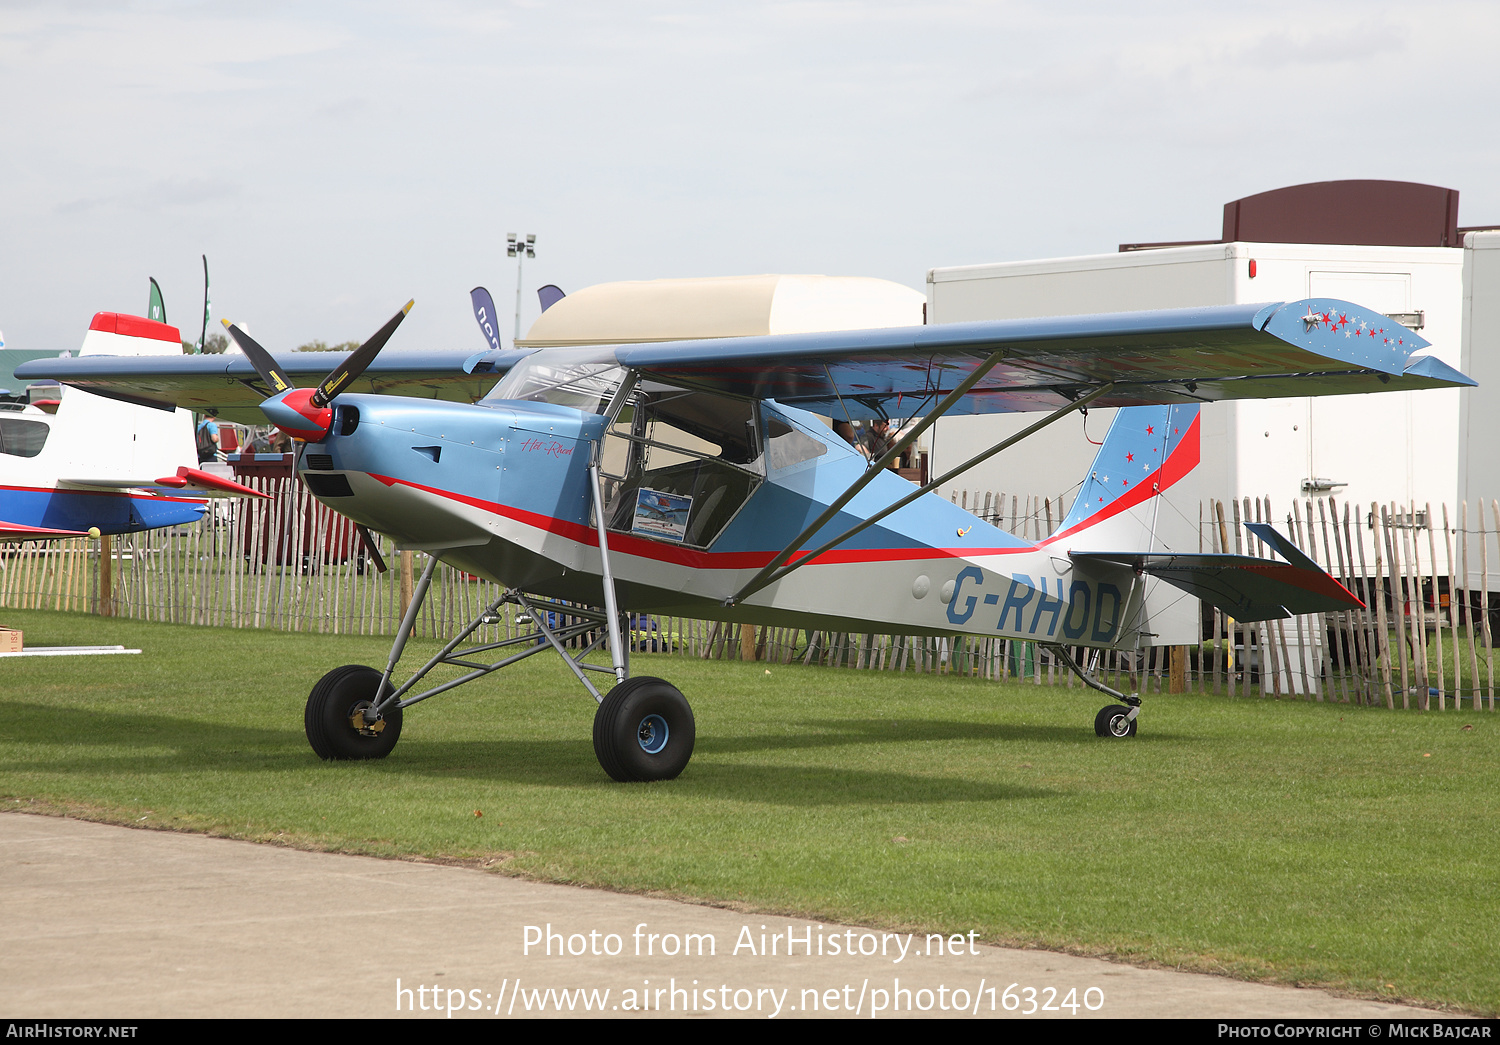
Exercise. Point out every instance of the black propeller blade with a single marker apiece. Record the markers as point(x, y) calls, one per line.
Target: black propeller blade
point(260, 359)
point(345, 373)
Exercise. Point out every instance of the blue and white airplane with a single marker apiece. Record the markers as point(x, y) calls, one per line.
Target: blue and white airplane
point(100, 465)
point(546, 483)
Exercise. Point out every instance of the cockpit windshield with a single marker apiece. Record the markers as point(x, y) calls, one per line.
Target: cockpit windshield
point(582, 378)
point(677, 464)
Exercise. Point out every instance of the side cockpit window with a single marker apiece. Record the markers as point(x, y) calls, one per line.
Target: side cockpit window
point(680, 464)
point(787, 446)
point(22, 437)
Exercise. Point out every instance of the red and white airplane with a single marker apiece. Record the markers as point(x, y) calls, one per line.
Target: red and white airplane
point(104, 465)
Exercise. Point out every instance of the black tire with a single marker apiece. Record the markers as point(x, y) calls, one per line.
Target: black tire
point(1112, 722)
point(644, 731)
point(334, 701)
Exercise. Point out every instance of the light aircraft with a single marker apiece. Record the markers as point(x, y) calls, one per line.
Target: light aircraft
point(549, 482)
point(99, 465)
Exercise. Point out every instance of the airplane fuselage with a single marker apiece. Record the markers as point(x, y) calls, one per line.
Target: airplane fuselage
point(501, 489)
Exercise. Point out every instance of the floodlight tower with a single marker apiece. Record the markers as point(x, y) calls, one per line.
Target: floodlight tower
point(514, 248)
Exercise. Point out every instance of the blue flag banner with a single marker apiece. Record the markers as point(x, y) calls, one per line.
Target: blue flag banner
point(484, 315)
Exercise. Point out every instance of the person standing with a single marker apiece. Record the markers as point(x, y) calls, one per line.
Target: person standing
point(877, 441)
point(208, 439)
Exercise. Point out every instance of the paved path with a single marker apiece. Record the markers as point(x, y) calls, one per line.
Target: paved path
point(104, 921)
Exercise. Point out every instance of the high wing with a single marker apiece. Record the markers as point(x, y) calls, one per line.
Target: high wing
point(227, 385)
point(1317, 346)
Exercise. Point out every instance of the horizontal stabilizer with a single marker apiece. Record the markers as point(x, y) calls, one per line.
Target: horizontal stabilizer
point(1244, 587)
point(206, 484)
point(104, 484)
point(192, 481)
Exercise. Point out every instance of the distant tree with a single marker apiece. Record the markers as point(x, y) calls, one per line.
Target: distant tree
point(322, 346)
point(217, 343)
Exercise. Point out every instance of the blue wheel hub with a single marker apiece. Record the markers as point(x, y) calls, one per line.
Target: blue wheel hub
point(652, 734)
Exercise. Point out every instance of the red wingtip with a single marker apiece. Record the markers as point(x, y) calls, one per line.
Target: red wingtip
point(18, 532)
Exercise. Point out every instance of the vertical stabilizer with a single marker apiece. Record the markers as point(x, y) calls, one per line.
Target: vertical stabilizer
point(1123, 505)
point(1147, 450)
point(98, 437)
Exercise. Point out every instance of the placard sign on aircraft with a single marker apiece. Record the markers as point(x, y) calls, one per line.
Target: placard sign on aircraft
point(732, 501)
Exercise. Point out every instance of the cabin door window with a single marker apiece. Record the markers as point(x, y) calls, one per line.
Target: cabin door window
point(680, 464)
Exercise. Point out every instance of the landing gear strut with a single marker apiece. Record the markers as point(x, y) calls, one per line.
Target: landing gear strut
point(643, 728)
point(1116, 720)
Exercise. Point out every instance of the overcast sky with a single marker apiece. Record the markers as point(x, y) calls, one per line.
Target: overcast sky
point(334, 159)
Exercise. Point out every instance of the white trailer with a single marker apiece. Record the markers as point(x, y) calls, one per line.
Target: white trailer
point(1479, 408)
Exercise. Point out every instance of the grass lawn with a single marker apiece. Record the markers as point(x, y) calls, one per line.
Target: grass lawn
point(1304, 843)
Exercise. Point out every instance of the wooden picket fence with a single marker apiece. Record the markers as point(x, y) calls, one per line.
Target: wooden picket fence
point(1429, 603)
point(288, 563)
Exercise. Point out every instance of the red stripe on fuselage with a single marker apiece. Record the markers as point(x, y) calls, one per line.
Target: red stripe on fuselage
point(691, 557)
point(1178, 464)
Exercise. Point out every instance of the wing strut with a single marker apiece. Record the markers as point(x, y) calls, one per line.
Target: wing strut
point(778, 567)
point(761, 579)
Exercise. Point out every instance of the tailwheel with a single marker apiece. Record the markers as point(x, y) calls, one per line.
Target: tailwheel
point(1115, 721)
point(336, 720)
point(644, 730)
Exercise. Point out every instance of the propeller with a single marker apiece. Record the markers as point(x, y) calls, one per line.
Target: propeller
point(263, 362)
point(304, 413)
point(343, 376)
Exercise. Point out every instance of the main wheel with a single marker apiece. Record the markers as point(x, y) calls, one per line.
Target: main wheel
point(334, 718)
point(644, 730)
point(1114, 721)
